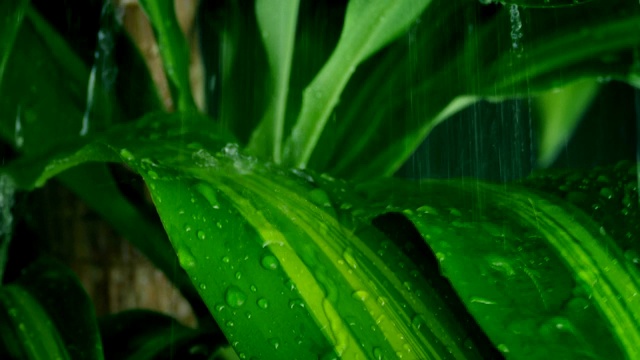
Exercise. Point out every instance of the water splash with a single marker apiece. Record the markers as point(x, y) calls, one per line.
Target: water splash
point(7, 190)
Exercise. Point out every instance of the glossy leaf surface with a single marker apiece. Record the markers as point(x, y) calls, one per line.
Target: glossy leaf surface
point(538, 275)
point(304, 279)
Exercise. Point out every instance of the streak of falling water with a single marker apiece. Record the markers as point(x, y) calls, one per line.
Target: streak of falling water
point(91, 84)
point(103, 71)
point(18, 134)
point(7, 190)
point(516, 28)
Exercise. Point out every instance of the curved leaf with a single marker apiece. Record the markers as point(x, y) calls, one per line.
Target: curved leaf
point(475, 59)
point(283, 272)
point(51, 315)
point(368, 26)
point(278, 24)
point(173, 49)
point(537, 274)
point(27, 331)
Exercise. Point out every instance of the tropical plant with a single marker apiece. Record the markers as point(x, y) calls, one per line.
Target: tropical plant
point(280, 203)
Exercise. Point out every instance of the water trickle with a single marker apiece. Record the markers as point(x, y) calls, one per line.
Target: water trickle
point(235, 297)
point(7, 190)
point(516, 28)
point(18, 134)
point(103, 71)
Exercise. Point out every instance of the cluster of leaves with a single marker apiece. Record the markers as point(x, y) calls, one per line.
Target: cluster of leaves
point(280, 211)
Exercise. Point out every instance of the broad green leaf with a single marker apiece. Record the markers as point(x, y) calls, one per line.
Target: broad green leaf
point(173, 50)
point(560, 111)
point(540, 3)
point(368, 26)
point(284, 272)
point(278, 25)
point(144, 334)
point(475, 59)
point(537, 274)
point(49, 314)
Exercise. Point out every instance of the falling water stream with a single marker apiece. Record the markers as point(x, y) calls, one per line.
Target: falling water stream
point(7, 190)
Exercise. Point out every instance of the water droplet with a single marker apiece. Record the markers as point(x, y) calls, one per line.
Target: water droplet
point(269, 262)
point(455, 212)
point(226, 259)
point(633, 256)
point(481, 300)
point(418, 322)
point(185, 258)
point(238, 275)
point(275, 343)
point(126, 155)
point(220, 307)
point(263, 303)
point(348, 257)
point(187, 228)
point(425, 209)
point(235, 297)
point(319, 197)
point(606, 193)
point(360, 295)
point(503, 348)
point(219, 225)
point(346, 206)
point(152, 174)
point(201, 235)
point(296, 303)
point(377, 353)
point(253, 288)
point(203, 286)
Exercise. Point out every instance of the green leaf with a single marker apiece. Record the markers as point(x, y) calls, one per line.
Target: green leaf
point(50, 315)
point(173, 49)
point(413, 89)
point(305, 279)
point(27, 331)
point(541, 3)
point(537, 274)
point(144, 334)
point(560, 111)
point(278, 25)
point(368, 26)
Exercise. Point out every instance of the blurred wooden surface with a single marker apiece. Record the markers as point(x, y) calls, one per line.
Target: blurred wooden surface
point(116, 276)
